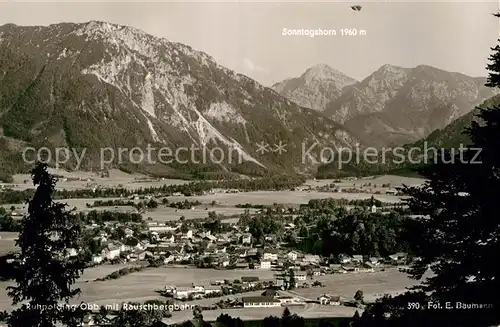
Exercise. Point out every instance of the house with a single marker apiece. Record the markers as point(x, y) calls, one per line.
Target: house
point(373, 260)
point(270, 293)
point(292, 255)
point(224, 262)
point(344, 259)
point(285, 300)
point(250, 281)
point(400, 256)
point(182, 292)
point(213, 289)
point(312, 259)
point(246, 238)
point(265, 265)
point(326, 299)
point(323, 299)
point(252, 253)
point(260, 302)
point(242, 265)
point(280, 281)
point(270, 255)
point(113, 252)
point(316, 272)
point(71, 252)
point(368, 267)
point(373, 209)
point(301, 276)
point(357, 258)
point(336, 268)
point(129, 232)
point(270, 238)
point(170, 239)
point(97, 259)
point(335, 300)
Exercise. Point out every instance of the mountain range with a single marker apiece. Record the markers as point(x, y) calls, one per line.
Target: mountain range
point(393, 105)
point(96, 84)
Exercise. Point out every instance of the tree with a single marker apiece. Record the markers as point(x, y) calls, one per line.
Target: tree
point(44, 274)
point(286, 317)
point(136, 318)
point(271, 321)
point(494, 66)
point(359, 296)
point(458, 241)
point(198, 313)
point(291, 280)
point(228, 321)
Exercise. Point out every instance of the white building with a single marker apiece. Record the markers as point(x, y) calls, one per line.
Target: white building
point(326, 299)
point(97, 259)
point(292, 255)
point(129, 232)
point(112, 253)
point(301, 276)
point(71, 252)
point(260, 302)
point(246, 239)
point(310, 258)
point(270, 256)
point(265, 265)
point(284, 300)
point(182, 292)
point(357, 258)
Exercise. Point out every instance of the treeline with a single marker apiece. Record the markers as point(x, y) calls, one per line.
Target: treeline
point(331, 202)
point(286, 320)
point(120, 273)
point(7, 223)
point(100, 217)
point(186, 204)
point(327, 228)
point(111, 203)
point(250, 206)
point(274, 183)
point(358, 232)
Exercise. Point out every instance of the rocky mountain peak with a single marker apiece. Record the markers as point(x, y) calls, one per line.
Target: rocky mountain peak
point(316, 87)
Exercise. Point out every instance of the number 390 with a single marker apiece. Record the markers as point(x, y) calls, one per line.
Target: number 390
point(413, 305)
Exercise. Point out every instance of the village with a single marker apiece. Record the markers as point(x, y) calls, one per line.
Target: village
point(247, 249)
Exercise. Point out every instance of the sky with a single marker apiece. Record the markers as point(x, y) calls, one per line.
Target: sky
point(247, 36)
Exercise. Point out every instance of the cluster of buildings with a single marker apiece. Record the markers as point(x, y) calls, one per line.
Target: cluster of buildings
point(232, 249)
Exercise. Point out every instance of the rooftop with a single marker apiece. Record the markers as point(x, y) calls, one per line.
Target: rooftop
point(259, 299)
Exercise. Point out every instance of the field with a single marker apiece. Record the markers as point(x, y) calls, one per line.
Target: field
point(283, 197)
point(117, 179)
point(373, 285)
point(141, 286)
point(394, 181)
point(7, 242)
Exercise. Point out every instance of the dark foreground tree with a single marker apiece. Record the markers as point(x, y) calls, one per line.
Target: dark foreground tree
point(44, 273)
point(459, 242)
point(132, 317)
